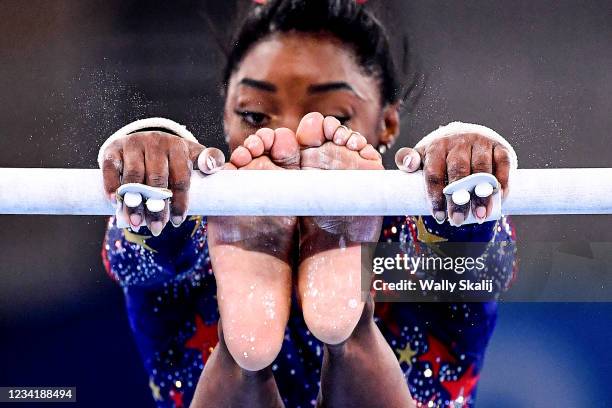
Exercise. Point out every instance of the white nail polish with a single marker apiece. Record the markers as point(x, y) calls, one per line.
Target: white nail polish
point(210, 163)
point(440, 217)
point(457, 219)
point(177, 220)
point(156, 228)
point(406, 162)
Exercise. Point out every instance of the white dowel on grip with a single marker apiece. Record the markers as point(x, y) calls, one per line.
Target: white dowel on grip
point(132, 200)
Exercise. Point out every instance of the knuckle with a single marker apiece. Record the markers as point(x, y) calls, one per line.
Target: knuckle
point(434, 179)
point(157, 179)
point(114, 146)
point(503, 160)
point(133, 174)
point(481, 164)
point(435, 147)
point(132, 141)
point(111, 162)
point(181, 185)
point(458, 168)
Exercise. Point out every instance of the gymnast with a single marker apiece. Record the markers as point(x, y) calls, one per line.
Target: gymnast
point(265, 311)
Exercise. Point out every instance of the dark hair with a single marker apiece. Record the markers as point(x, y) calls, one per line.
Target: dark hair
point(347, 20)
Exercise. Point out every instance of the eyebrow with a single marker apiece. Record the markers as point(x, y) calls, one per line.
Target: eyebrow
point(331, 86)
point(261, 85)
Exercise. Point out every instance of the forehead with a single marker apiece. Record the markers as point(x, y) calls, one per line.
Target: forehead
point(298, 57)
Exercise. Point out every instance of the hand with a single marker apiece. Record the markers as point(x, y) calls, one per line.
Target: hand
point(157, 159)
point(452, 157)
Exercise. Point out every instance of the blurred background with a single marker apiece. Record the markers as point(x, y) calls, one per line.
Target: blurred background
point(72, 72)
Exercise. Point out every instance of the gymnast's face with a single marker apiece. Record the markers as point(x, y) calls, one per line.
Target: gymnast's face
point(287, 75)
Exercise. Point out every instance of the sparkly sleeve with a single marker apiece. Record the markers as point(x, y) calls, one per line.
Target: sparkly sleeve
point(419, 232)
point(141, 259)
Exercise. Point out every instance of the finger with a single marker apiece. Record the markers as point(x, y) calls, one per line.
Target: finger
point(156, 168)
point(457, 209)
point(133, 162)
point(408, 159)
point(481, 207)
point(458, 165)
point(241, 157)
point(210, 160)
point(330, 125)
point(267, 137)
point(482, 162)
point(194, 149)
point(255, 145)
point(156, 221)
point(434, 171)
point(157, 173)
point(501, 168)
point(482, 158)
point(356, 142)
point(179, 180)
point(133, 215)
point(133, 172)
point(111, 172)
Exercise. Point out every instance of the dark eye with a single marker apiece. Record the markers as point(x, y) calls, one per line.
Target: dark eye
point(343, 119)
point(255, 119)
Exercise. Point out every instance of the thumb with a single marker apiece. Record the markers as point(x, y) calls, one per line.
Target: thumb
point(210, 160)
point(408, 159)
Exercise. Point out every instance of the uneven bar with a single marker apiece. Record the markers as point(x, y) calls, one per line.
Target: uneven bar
point(313, 192)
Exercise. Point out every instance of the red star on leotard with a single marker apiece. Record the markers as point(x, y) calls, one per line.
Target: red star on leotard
point(437, 353)
point(462, 386)
point(204, 339)
point(177, 398)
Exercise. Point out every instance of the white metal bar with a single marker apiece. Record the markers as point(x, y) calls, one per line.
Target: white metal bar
point(331, 192)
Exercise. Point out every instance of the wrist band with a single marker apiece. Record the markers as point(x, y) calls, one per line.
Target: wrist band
point(459, 128)
point(138, 125)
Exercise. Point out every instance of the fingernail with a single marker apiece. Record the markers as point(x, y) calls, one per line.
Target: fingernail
point(407, 161)
point(440, 216)
point(177, 220)
point(458, 219)
point(481, 212)
point(156, 228)
point(210, 163)
point(135, 220)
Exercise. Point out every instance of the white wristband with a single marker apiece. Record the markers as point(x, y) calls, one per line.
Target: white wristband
point(161, 123)
point(459, 128)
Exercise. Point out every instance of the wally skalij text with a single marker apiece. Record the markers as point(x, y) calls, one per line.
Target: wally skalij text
point(447, 271)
